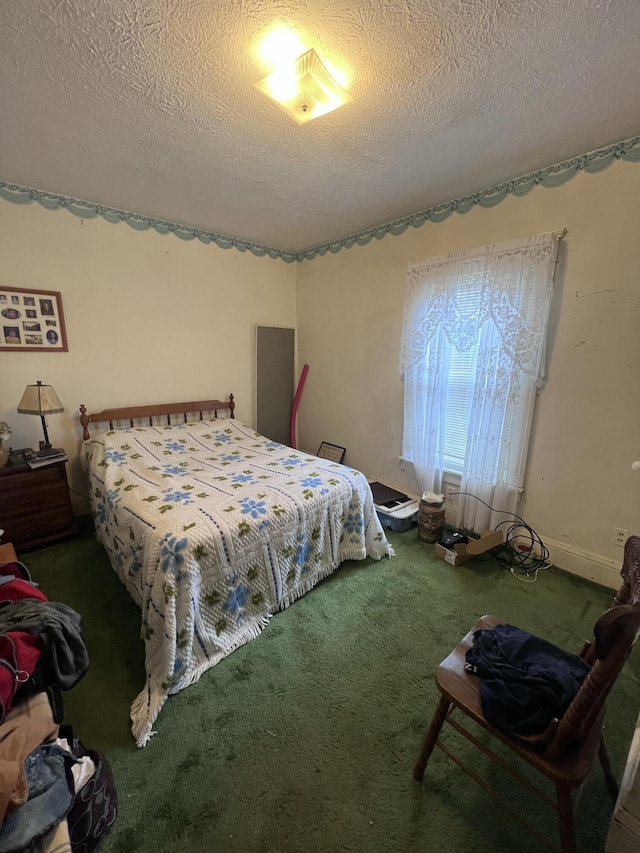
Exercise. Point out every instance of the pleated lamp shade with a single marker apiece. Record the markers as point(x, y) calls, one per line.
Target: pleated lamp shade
point(40, 400)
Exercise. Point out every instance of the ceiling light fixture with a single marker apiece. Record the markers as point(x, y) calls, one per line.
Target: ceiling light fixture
point(304, 89)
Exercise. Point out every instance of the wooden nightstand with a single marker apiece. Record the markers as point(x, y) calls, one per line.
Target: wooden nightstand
point(35, 506)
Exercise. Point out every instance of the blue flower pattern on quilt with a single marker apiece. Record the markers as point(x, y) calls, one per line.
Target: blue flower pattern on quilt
point(117, 456)
point(311, 482)
point(303, 553)
point(179, 496)
point(173, 553)
point(236, 601)
point(174, 469)
point(113, 498)
point(353, 522)
point(242, 478)
point(253, 508)
point(135, 562)
point(100, 511)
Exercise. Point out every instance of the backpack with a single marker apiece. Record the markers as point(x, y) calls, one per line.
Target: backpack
point(19, 656)
point(95, 806)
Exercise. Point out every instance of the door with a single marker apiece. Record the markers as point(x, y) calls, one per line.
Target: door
point(274, 381)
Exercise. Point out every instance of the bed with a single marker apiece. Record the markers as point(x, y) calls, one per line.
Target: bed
point(212, 528)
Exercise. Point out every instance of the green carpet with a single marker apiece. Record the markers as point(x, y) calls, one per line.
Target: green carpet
point(305, 739)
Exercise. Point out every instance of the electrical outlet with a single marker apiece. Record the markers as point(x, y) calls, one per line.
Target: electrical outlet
point(620, 536)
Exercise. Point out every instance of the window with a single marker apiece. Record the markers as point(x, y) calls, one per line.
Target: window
point(472, 359)
point(457, 410)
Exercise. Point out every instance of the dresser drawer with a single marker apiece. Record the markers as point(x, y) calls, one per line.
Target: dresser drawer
point(35, 505)
point(23, 502)
point(39, 528)
point(25, 478)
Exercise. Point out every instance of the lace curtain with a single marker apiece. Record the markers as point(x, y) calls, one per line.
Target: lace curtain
point(498, 300)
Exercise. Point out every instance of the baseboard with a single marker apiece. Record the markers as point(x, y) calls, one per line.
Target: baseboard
point(585, 564)
point(593, 567)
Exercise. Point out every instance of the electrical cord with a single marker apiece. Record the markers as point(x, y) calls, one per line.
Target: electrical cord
point(523, 552)
point(86, 497)
point(523, 579)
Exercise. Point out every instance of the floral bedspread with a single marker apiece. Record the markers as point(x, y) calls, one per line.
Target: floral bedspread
point(212, 527)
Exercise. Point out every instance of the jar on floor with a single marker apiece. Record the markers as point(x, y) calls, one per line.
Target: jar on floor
point(431, 517)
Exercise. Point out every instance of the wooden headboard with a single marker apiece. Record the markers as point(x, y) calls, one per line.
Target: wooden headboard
point(133, 413)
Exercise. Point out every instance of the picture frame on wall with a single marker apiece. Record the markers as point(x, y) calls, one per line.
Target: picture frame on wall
point(31, 320)
point(333, 452)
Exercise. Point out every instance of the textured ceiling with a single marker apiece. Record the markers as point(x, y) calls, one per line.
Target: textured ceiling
point(149, 105)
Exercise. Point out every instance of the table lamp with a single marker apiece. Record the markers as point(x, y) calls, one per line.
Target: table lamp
point(41, 400)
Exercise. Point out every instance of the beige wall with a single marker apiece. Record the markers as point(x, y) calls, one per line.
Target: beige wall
point(586, 435)
point(149, 318)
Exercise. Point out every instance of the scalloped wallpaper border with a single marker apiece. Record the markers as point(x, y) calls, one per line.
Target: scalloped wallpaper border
point(552, 176)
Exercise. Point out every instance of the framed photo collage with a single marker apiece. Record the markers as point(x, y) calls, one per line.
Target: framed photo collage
point(31, 320)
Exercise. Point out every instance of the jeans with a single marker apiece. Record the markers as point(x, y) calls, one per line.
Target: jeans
point(50, 798)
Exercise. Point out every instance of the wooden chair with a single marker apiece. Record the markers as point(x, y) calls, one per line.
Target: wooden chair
point(566, 751)
point(629, 591)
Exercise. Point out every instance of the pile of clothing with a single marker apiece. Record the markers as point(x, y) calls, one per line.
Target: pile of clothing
point(54, 793)
point(526, 681)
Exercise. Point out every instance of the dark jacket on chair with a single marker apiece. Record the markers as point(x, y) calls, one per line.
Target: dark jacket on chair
point(526, 681)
